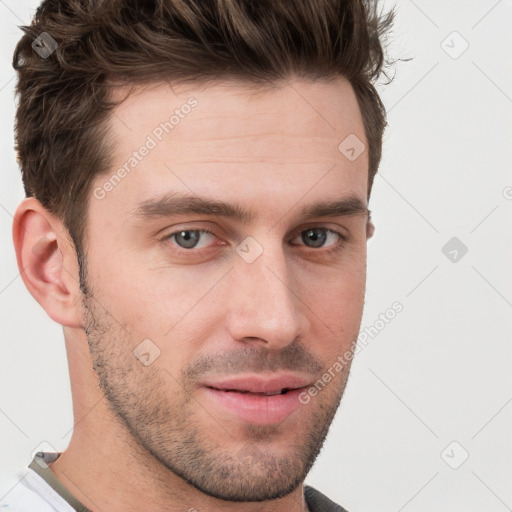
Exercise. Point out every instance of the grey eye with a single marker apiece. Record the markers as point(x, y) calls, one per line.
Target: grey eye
point(314, 237)
point(187, 239)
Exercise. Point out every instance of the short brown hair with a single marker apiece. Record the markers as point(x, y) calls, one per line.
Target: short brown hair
point(65, 100)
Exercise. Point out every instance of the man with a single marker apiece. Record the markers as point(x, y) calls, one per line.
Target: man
point(197, 178)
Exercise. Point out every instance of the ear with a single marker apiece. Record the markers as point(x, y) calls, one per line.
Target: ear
point(370, 228)
point(47, 262)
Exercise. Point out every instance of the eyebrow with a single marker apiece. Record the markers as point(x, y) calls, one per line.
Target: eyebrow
point(175, 205)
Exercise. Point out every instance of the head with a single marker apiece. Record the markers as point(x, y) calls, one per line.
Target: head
point(193, 155)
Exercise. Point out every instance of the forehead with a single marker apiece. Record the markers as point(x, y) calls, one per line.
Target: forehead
point(322, 109)
point(232, 140)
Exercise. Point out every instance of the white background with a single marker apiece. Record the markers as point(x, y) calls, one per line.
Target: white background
point(441, 370)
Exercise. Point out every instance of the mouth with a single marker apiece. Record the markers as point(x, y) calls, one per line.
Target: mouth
point(277, 384)
point(257, 393)
point(258, 408)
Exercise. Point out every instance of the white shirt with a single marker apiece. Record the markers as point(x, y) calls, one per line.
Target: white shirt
point(30, 493)
point(37, 489)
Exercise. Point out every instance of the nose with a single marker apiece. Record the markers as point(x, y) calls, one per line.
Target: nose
point(264, 304)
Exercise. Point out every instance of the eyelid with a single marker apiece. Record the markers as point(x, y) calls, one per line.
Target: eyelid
point(343, 237)
point(168, 238)
point(343, 233)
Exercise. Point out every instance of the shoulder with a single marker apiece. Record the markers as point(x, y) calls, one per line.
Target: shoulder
point(318, 502)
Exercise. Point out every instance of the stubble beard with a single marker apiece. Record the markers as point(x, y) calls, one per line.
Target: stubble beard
point(166, 425)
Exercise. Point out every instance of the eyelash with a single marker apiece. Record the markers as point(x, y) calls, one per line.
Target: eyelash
point(332, 249)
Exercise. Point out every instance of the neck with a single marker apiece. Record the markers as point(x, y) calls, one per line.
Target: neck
point(105, 472)
point(107, 469)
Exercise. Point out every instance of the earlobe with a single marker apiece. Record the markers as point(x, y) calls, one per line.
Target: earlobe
point(47, 262)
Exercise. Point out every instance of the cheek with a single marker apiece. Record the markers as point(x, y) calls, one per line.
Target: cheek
point(163, 305)
point(335, 307)
point(139, 307)
point(338, 291)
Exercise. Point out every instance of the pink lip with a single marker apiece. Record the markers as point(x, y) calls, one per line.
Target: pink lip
point(257, 409)
point(254, 406)
point(259, 384)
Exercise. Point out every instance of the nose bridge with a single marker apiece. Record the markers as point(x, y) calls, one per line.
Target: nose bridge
point(264, 304)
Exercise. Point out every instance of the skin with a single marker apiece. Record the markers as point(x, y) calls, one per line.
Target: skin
point(149, 437)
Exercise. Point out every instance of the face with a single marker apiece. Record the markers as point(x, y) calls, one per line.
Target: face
point(225, 264)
